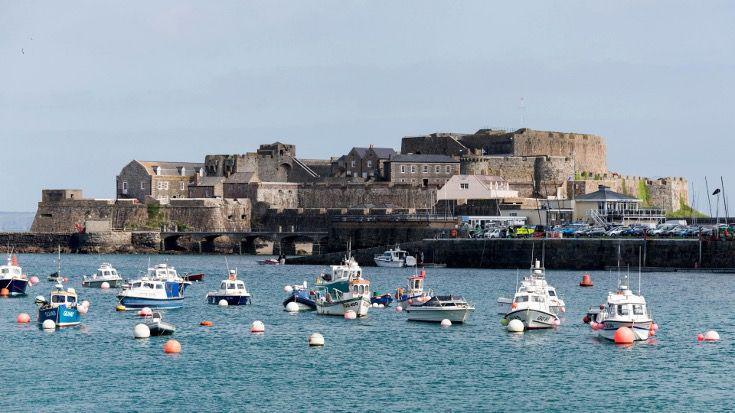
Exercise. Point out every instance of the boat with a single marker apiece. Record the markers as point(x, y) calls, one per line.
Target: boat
point(536, 280)
point(12, 277)
point(56, 277)
point(535, 303)
point(160, 288)
point(157, 326)
point(440, 307)
point(395, 258)
point(106, 273)
point(302, 296)
point(193, 277)
point(385, 299)
point(231, 290)
point(269, 261)
point(61, 308)
point(624, 309)
point(414, 292)
point(343, 289)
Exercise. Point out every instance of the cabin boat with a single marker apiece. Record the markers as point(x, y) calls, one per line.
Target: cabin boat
point(532, 306)
point(394, 258)
point(157, 326)
point(414, 293)
point(384, 299)
point(231, 290)
point(624, 309)
point(302, 296)
point(152, 293)
point(440, 307)
point(12, 277)
point(343, 289)
point(536, 281)
point(61, 309)
point(106, 273)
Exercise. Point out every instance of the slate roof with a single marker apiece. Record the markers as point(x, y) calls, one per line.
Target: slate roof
point(208, 181)
point(172, 168)
point(605, 194)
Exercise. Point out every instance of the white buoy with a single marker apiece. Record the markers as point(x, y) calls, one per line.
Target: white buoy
point(381, 305)
point(85, 303)
point(83, 309)
point(145, 312)
point(257, 327)
point(49, 325)
point(399, 309)
point(374, 305)
point(446, 323)
point(515, 326)
point(316, 339)
point(711, 335)
point(292, 307)
point(350, 315)
point(105, 285)
point(288, 289)
point(141, 331)
point(223, 303)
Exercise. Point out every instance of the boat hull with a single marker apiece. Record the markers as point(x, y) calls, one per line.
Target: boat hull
point(533, 319)
point(231, 299)
point(139, 302)
point(305, 304)
point(161, 328)
point(385, 299)
point(436, 315)
point(62, 315)
point(116, 283)
point(641, 330)
point(390, 264)
point(16, 286)
point(194, 277)
point(359, 305)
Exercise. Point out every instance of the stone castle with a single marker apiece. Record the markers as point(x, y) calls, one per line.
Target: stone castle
point(232, 192)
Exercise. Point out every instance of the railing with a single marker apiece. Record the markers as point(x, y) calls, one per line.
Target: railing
point(395, 218)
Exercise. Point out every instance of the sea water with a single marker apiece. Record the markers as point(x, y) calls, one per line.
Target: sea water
point(379, 363)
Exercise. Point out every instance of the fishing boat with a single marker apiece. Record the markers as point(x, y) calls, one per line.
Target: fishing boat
point(440, 307)
point(161, 287)
point(624, 309)
point(56, 277)
point(302, 296)
point(533, 303)
point(12, 277)
point(106, 273)
point(193, 277)
point(395, 258)
point(61, 308)
point(536, 280)
point(231, 290)
point(384, 299)
point(343, 289)
point(414, 293)
point(157, 326)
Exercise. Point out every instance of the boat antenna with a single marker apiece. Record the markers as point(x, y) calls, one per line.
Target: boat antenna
point(543, 254)
point(227, 265)
point(516, 279)
point(533, 248)
point(639, 270)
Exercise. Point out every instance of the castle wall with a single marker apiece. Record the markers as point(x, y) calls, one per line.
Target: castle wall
point(378, 194)
point(588, 151)
point(664, 193)
point(529, 175)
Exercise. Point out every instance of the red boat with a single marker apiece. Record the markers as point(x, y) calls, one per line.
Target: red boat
point(194, 277)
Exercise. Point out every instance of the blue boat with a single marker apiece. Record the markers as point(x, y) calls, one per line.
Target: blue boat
point(12, 277)
point(301, 296)
point(152, 294)
point(385, 299)
point(62, 309)
point(231, 290)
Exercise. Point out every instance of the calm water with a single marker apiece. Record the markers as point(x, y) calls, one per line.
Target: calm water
point(379, 363)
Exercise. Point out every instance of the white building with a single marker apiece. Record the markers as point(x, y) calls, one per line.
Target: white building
point(460, 188)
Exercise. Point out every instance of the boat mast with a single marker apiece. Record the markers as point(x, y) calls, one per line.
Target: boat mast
point(639, 270)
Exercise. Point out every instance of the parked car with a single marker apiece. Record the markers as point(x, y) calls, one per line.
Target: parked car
point(495, 233)
point(616, 231)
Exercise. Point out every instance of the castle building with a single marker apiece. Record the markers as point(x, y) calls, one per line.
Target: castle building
point(367, 163)
point(421, 170)
point(160, 180)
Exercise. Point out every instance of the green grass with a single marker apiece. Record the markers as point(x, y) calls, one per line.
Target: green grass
point(685, 211)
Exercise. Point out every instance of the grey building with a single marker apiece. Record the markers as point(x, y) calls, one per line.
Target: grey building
point(421, 170)
point(160, 180)
point(366, 163)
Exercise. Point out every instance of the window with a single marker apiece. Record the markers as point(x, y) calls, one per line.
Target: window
point(637, 309)
point(403, 169)
point(437, 168)
point(369, 164)
point(464, 186)
point(522, 299)
point(448, 168)
point(182, 185)
point(413, 169)
point(403, 180)
point(142, 185)
point(425, 169)
point(125, 187)
point(352, 164)
point(623, 310)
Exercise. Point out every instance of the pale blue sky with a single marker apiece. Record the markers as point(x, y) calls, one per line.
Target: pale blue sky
point(87, 86)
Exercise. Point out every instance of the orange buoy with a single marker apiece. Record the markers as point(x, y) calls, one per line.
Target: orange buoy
point(586, 281)
point(4, 292)
point(700, 337)
point(206, 323)
point(24, 318)
point(172, 347)
point(624, 335)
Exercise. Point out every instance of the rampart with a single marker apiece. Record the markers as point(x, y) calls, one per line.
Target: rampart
point(531, 176)
point(666, 193)
point(365, 195)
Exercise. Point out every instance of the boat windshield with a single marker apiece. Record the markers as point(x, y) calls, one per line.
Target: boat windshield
point(552, 293)
point(223, 286)
point(638, 309)
point(521, 299)
point(623, 309)
point(137, 284)
point(240, 285)
point(58, 299)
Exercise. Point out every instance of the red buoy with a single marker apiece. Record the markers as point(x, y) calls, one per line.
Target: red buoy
point(624, 335)
point(586, 281)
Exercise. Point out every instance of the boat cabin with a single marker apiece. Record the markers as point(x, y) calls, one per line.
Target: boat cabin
point(162, 272)
point(149, 284)
point(416, 283)
point(350, 270)
point(8, 271)
point(230, 286)
point(359, 287)
point(106, 270)
point(59, 297)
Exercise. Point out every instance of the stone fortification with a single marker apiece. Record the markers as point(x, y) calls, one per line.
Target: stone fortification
point(531, 176)
point(365, 195)
point(666, 193)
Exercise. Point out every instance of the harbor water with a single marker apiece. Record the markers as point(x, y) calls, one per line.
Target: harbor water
point(379, 363)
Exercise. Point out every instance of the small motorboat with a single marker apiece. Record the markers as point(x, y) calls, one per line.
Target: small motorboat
point(12, 277)
point(231, 290)
point(623, 309)
point(414, 292)
point(453, 308)
point(106, 273)
point(159, 327)
point(269, 261)
point(385, 299)
point(302, 296)
point(395, 258)
point(61, 309)
point(194, 277)
point(161, 288)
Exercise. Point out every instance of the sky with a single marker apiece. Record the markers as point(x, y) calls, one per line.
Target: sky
point(85, 87)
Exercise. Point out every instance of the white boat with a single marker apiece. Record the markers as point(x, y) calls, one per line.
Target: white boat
point(624, 309)
point(12, 277)
point(395, 258)
point(157, 326)
point(161, 287)
point(536, 280)
point(437, 308)
point(532, 303)
point(231, 290)
point(105, 273)
point(343, 289)
point(414, 292)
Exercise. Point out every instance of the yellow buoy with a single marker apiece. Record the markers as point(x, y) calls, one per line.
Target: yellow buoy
point(120, 308)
